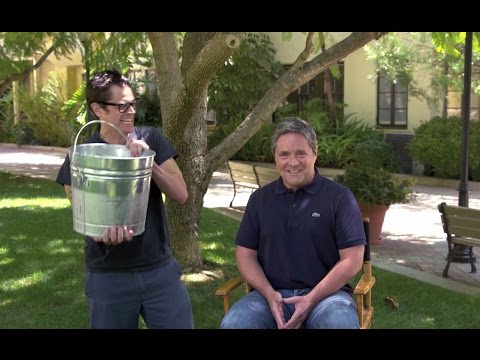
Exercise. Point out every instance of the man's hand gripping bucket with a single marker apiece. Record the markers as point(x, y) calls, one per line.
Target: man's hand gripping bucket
point(109, 186)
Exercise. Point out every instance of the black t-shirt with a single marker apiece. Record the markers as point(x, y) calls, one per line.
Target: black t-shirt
point(149, 249)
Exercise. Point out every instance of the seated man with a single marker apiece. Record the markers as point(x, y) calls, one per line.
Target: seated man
point(300, 241)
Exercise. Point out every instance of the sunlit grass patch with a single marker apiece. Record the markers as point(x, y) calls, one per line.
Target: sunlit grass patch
point(6, 261)
point(202, 276)
point(33, 279)
point(29, 204)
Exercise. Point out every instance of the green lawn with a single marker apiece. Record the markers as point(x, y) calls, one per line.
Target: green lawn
point(41, 270)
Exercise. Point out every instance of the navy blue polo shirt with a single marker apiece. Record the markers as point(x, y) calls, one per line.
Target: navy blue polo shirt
point(298, 234)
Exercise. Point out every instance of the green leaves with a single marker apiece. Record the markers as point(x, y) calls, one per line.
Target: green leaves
point(375, 185)
point(244, 79)
point(437, 145)
point(437, 55)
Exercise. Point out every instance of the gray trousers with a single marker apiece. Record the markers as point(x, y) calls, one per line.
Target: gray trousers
point(117, 299)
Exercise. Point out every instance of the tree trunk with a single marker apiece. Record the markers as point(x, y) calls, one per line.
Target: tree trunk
point(183, 97)
point(330, 104)
point(184, 219)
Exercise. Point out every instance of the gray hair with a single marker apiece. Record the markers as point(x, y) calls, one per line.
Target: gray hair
point(297, 126)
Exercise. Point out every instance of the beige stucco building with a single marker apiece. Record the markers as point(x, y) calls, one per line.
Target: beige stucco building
point(373, 100)
point(360, 90)
point(71, 69)
point(360, 84)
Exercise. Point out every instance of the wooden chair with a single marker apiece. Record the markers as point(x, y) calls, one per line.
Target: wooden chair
point(362, 291)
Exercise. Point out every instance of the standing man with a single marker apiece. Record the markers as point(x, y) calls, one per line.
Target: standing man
point(300, 241)
point(128, 276)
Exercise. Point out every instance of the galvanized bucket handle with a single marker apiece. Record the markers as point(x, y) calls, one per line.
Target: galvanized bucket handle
point(93, 122)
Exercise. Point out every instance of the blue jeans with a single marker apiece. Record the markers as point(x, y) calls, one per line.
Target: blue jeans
point(117, 299)
point(337, 311)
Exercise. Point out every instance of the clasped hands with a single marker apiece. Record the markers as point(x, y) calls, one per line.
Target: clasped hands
point(302, 307)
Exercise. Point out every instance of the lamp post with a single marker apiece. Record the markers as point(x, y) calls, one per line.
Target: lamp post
point(460, 252)
point(84, 38)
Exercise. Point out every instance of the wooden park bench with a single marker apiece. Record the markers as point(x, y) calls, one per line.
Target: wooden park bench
point(249, 176)
point(462, 226)
point(265, 175)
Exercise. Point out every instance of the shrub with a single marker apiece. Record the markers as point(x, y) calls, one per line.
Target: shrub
point(376, 153)
point(45, 118)
point(244, 79)
point(437, 145)
point(375, 186)
point(7, 118)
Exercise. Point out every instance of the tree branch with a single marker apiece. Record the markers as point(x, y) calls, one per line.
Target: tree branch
point(21, 76)
point(200, 72)
point(167, 68)
point(291, 80)
point(306, 52)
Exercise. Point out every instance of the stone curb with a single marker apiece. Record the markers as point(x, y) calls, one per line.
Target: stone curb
point(36, 147)
point(428, 278)
point(419, 180)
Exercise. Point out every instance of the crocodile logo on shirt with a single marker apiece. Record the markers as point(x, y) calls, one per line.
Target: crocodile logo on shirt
point(315, 215)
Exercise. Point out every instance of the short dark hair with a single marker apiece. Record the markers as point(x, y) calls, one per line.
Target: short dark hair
point(297, 126)
point(98, 88)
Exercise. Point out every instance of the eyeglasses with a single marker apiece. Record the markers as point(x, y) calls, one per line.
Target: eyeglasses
point(122, 107)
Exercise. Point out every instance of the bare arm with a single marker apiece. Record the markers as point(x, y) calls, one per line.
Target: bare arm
point(167, 176)
point(169, 179)
point(253, 273)
point(68, 191)
point(344, 270)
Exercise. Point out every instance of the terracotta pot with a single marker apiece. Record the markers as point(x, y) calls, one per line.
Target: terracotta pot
point(376, 214)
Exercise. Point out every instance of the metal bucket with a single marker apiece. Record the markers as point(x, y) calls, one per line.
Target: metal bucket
point(109, 187)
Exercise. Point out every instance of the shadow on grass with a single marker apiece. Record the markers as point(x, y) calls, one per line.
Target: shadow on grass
point(217, 242)
point(41, 270)
point(41, 258)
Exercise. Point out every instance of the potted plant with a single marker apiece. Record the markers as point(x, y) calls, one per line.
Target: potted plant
point(375, 189)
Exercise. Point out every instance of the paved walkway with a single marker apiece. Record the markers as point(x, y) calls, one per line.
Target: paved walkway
point(414, 242)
